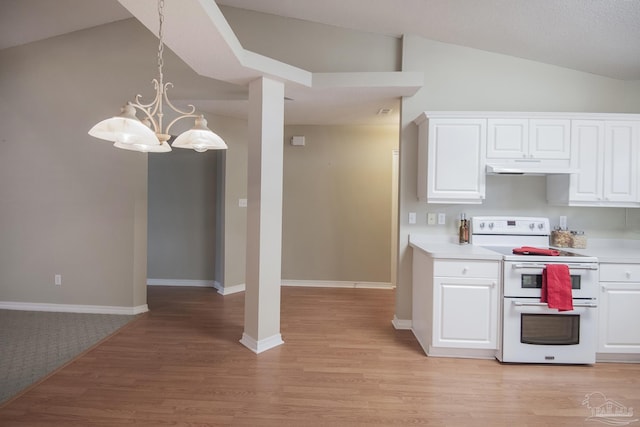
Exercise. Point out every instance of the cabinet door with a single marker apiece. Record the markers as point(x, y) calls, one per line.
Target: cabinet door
point(621, 162)
point(549, 139)
point(619, 318)
point(507, 138)
point(456, 161)
point(465, 313)
point(587, 156)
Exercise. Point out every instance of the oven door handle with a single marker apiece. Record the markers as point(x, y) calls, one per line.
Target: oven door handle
point(544, 304)
point(571, 266)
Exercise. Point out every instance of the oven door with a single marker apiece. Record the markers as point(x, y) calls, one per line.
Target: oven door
point(534, 333)
point(524, 279)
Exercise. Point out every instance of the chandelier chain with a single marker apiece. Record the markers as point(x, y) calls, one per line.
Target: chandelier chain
point(161, 38)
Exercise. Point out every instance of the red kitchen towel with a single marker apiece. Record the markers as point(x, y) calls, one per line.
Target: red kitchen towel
point(556, 287)
point(529, 250)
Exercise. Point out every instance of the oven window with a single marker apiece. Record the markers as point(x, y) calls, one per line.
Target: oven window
point(533, 281)
point(550, 329)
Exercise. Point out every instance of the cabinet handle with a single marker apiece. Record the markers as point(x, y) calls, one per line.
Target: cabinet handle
point(493, 284)
point(603, 288)
point(628, 274)
point(465, 270)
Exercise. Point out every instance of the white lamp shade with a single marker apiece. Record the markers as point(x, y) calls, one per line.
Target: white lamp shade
point(200, 138)
point(125, 129)
point(145, 148)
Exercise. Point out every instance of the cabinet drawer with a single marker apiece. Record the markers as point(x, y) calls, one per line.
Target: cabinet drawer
point(620, 273)
point(464, 268)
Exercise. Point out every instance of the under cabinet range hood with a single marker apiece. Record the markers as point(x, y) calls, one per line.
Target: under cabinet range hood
point(528, 169)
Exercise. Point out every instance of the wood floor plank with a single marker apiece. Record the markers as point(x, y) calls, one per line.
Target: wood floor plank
point(342, 364)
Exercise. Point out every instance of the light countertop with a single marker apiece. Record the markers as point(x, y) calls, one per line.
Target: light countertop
point(613, 250)
point(606, 250)
point(442, 248)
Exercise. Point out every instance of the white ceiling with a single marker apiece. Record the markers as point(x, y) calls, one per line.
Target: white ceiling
point(595, 36)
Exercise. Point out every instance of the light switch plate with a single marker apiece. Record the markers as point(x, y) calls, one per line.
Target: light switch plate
point(442, 219)
point(431, 218)
point(412, 217)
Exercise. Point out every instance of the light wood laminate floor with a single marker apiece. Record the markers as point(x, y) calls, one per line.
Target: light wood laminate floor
point(342, 364)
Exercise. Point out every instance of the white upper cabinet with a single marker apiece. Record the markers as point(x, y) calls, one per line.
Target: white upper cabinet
point(451, 165)
point(589, 159)
point(508, 138)
point(606, 155)
point(532, 142)
point(621, 153)
point(550, 139)
point(587, 156)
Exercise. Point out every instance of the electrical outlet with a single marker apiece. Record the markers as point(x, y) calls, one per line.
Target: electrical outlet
point(442, 219)
point(431, 218)
point(57, 279)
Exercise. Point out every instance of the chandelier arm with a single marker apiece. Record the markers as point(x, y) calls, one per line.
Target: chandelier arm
point(148, 115)
point(152, 107)
point(184, 116)
point(167, 86)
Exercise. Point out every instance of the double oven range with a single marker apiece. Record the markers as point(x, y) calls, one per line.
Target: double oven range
point(531, 331)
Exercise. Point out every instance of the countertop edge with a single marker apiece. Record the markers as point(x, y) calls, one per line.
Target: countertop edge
point(443, 249)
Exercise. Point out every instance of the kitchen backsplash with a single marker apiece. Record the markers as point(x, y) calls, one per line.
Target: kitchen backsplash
point(526, 196)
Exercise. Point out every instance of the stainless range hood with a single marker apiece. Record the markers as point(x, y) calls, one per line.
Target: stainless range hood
point(528, 169)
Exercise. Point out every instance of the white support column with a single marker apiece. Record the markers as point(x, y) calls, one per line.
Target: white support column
point(264, 216)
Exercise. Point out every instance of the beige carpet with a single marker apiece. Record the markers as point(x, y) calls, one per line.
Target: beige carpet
point(34, 343)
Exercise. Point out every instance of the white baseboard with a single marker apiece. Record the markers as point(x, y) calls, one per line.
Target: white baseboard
point(222, 290)
point(337, 284)
point(228, 290)
point(73, 308)
point(263, 345)
point(401, 324)
point(181, 282)
point(618, 357)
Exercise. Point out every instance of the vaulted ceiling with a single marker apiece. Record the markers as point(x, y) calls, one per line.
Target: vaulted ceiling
point(595, 36)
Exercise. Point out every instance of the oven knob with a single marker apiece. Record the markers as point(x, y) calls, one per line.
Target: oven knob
point(481, 225)
point(490, 225)
point(541, 226)
point(531, 226)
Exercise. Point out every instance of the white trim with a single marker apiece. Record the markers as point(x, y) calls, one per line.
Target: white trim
point(181, 282)
point(337, 284)
point(462, 353)
point(73, 308)
point(228, 290)
point(401, 324)
point(618, 357)
point(263, 345)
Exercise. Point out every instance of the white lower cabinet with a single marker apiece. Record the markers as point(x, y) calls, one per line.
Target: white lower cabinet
point(456, 306)
point(619, 316)
point(465, 312)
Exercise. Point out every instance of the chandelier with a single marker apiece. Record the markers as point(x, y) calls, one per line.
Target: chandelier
point(126, 131)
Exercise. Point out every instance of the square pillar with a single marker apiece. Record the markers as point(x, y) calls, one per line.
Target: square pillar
point(264, 216)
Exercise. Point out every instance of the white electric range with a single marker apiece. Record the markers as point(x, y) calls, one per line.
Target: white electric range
point(531, 331)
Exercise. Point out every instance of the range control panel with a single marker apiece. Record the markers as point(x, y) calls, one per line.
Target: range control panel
point(504, 225)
